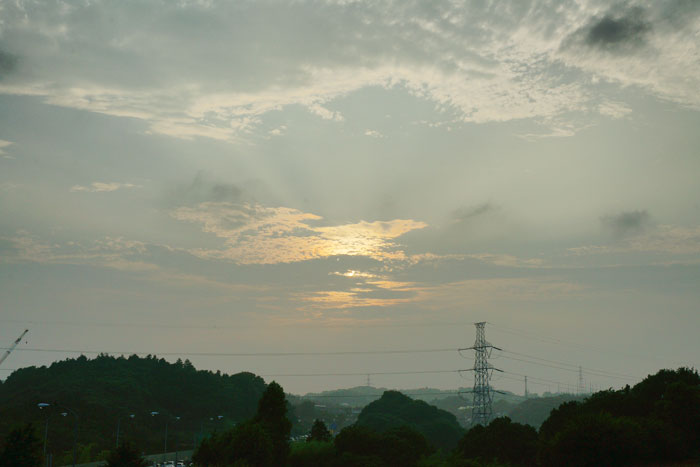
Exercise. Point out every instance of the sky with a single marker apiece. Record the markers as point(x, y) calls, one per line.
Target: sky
point(188, 178)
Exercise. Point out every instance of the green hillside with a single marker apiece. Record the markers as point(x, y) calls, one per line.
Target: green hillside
point(536, 410)
point(105, 391)
point(394, 410)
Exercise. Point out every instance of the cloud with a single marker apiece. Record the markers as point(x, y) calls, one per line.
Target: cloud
point(325, 113)
point(643, 44)
point(373, 134)
point(3, 145)
point(354, 274)
point(481, 63)
point(464, 214)
point(441, 297)
point(29, 248)
point(100, 187)
point(626, 223)
point(613, 109)
point(202, 188)
point(128, 256)
point(279, 131)
point(475, 63)
point(664, 239)
point(507, 260)
point(255, 234)
point(629, 29)
point(8, 63)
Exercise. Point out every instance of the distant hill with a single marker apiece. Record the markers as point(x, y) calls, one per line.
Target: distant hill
point(106, 390)
point(532, 411)
point(535, 411)
point(395, 409)
point(359, 396)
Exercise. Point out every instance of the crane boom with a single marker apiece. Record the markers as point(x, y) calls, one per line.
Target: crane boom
point(9, 351)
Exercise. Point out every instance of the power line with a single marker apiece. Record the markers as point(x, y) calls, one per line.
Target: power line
point(627, 378)
point(559, 362)
point(530, 378)
point(159, 325)
point(365, 373)
point(557, 341)
point(236, 354)
point(307, 396)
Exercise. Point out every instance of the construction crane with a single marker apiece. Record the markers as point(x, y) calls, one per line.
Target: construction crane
point(9, 351)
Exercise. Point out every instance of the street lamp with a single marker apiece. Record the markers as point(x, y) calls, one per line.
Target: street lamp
point(119, 420)
point(177, 418)
point(43, 405)
point(165, 441)
point(201, 428)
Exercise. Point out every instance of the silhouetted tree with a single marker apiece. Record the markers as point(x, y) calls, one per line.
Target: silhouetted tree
point(597, 440)
point(125, 456)
point(272, 416)
point(22, 448)
point(501, 441)
point(361, 445)
point(319, 432)
point(105, 389)
point(250, 444)
point(246, 444)
point(312, 454)
point(656, 421)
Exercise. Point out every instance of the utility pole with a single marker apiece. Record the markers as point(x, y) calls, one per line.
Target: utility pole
point(482, 392)
point(526, 387)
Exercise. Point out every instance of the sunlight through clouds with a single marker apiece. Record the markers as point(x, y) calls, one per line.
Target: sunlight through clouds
point(263, 235)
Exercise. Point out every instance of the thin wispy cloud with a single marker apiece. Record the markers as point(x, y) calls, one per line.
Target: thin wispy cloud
point(4, 144)
point(101, 187)
point(663, 239)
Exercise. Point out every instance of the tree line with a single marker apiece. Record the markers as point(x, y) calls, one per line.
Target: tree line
point(656, 421)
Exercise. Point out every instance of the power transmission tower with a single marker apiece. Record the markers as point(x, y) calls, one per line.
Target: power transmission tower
point(368, 382)
point(482, 392)
point(581, 386)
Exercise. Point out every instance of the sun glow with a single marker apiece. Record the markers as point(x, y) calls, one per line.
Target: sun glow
point(260, 235)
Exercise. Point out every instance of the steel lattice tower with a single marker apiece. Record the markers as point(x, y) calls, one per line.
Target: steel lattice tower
point(483, 392)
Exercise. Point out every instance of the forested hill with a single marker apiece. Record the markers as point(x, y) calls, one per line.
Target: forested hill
point(394, 410)
point(106, 390)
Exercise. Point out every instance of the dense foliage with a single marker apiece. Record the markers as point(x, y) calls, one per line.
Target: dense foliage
point(394, 410)
point(500, 441)
point(22, 448)
point(361, 445)
point(125, 456)
point(261, 441)
point(319, 432)
point(656, 420)
point(105, 391)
